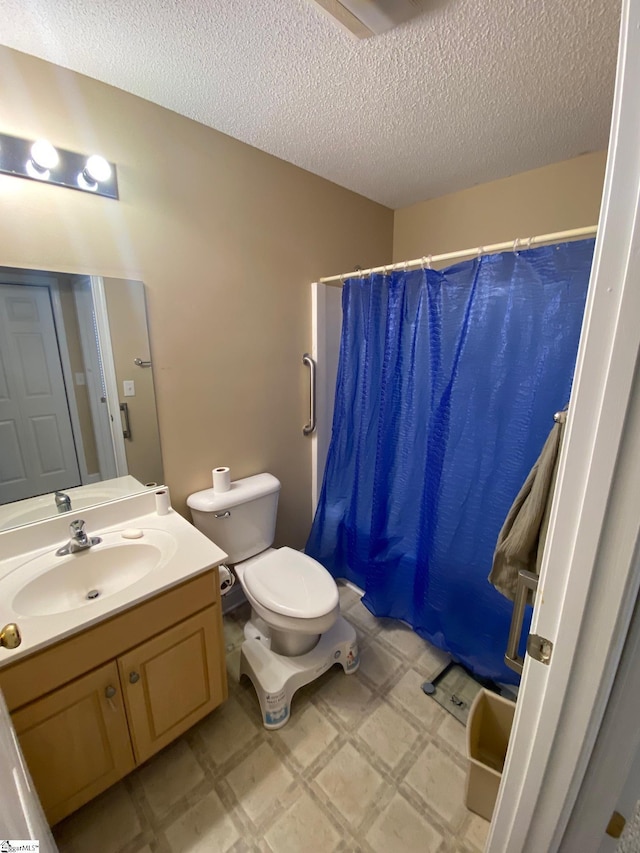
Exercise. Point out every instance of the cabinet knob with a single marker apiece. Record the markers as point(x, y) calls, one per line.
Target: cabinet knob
point(133, 677)
point(110, 692)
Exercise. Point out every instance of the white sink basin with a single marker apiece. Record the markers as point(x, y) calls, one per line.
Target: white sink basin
point(60, 584)
point(47, 595)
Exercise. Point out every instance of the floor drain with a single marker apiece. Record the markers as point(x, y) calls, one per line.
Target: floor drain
point(93, 593)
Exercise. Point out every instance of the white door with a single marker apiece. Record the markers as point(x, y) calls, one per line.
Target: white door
point(590, 572)
point(37, 452)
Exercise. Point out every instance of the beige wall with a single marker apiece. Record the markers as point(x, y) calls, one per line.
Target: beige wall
point(554, 198)
point(225, 238)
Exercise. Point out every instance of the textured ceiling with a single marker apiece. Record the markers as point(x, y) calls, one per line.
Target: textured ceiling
point(470, 91)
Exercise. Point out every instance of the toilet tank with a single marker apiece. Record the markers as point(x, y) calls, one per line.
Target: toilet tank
point(241, 521)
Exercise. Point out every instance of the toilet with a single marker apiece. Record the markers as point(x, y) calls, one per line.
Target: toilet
point(295, 632)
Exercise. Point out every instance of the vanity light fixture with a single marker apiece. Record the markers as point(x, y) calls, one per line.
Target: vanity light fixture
point(41, 161)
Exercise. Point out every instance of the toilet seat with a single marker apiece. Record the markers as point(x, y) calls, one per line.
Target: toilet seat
point(291, 584)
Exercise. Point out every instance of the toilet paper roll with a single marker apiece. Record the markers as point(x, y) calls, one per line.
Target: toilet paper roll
point(221, 479)
point(163, 501)
point(227, 579)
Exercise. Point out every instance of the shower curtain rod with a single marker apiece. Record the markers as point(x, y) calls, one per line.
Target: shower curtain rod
point(518, 243)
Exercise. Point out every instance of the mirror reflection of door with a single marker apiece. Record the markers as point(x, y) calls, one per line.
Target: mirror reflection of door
point(37, 450)
point(69, 352)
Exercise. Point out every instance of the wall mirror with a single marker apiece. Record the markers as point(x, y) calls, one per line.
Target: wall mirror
point(78, 423)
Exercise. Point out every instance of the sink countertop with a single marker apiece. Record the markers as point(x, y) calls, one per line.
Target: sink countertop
point(193, 555)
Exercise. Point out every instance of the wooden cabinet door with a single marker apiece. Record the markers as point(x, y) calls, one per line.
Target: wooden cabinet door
point(76, 741)
point(173, 680)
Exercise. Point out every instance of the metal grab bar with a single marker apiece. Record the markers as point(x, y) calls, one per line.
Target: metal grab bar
point(526, 581)
point(126, 432)
point(310, 427)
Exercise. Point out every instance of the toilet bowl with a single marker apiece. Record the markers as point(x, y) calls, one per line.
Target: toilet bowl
point(295, 597)
point(295, 632)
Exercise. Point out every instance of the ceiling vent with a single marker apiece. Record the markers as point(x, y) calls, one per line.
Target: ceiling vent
point(366, 18)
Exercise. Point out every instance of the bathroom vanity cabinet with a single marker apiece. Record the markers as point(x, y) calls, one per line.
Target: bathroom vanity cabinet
point(90, 708)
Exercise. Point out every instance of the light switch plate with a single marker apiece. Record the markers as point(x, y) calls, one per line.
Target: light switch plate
point(129, 388)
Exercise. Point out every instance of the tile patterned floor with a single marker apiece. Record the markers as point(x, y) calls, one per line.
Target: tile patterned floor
point(366, 763)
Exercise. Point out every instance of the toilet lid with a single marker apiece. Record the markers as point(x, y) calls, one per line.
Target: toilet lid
point(291, 583)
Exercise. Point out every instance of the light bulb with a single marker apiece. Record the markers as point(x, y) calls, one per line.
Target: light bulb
point(97, 169)
point(44, 155)
point(43, 158)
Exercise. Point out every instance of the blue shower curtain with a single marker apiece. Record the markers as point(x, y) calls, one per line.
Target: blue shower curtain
point(447, 385)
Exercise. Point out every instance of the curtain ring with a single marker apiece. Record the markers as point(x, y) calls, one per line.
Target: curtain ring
point(529, 242)
point(480, 251)
point(429, 261)
point(515, 245)
point(423, 262)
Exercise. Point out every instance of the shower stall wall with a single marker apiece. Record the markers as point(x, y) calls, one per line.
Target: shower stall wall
point(326, 313)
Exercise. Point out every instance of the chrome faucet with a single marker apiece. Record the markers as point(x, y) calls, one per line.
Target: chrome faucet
point(79, 541)
point(63, 502)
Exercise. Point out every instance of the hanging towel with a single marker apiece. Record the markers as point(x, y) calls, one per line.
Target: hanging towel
point(521, 541)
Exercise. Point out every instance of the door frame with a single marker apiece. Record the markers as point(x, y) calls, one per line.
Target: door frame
point(93, 359)
point(590, 572)
point(85, 476)
point(111, 383)
point(615, 762)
